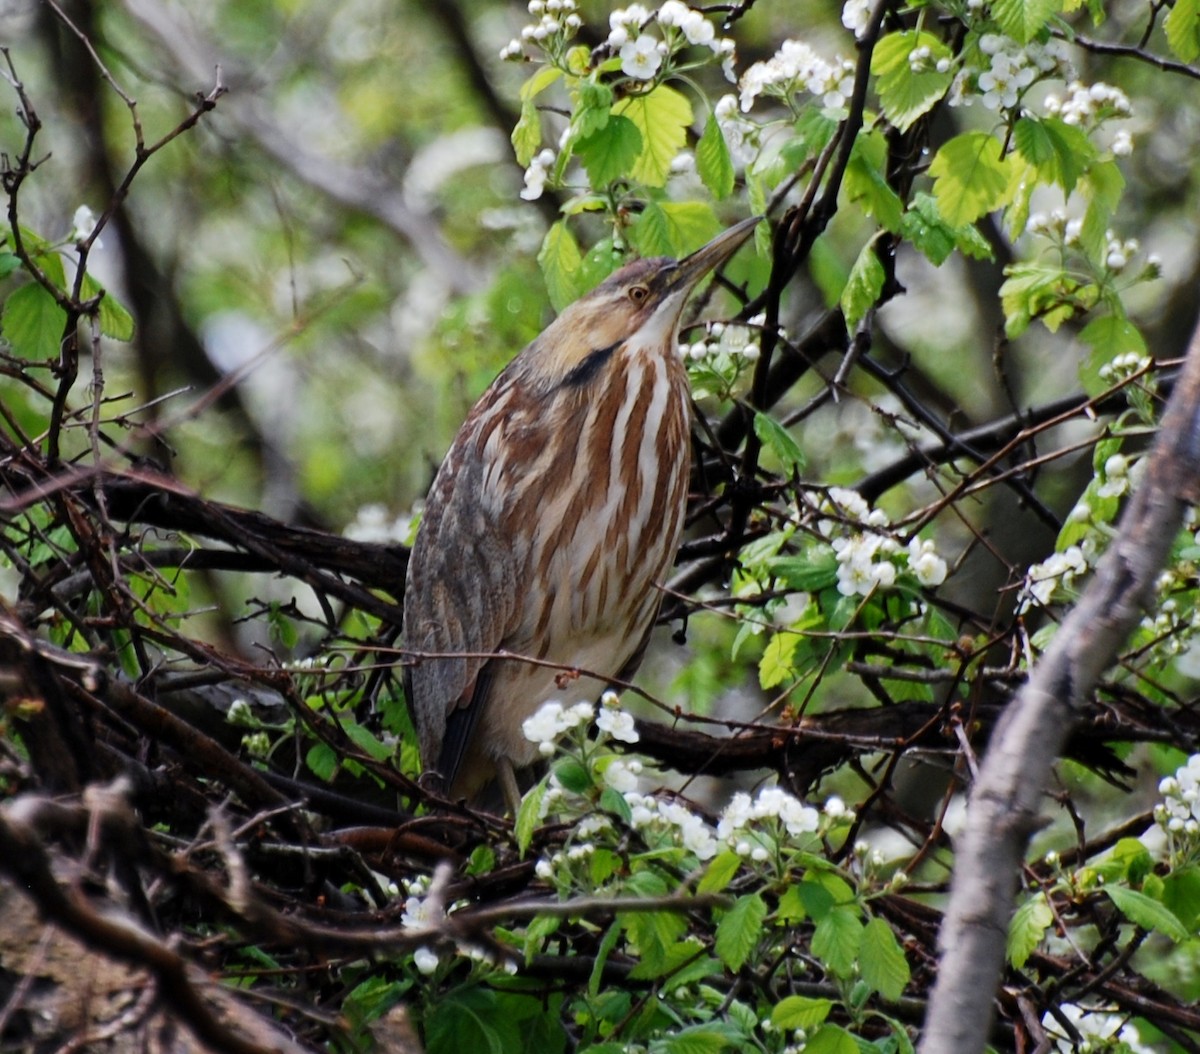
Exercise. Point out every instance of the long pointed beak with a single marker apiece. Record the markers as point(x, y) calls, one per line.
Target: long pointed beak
point(692, 268)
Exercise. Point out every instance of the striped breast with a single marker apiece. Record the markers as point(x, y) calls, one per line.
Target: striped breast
point(596, 477)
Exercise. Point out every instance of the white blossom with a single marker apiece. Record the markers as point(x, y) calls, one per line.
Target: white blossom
point(925, 563)
point(855, 16)
point(640, 58)
point(425, 960)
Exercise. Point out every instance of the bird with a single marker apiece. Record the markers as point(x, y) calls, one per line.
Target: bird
point(550, 524)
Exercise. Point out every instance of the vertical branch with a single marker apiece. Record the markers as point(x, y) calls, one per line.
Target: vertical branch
point(1008, 795)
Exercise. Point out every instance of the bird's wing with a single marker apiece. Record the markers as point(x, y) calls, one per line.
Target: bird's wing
point(461, 593)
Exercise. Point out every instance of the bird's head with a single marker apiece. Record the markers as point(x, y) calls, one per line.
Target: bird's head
point(642, 302)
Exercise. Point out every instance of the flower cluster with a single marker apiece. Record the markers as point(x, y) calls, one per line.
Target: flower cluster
point(752, 827)
point(1087, 105)
point(642, 54)
point(741, 135)
point(720, 339)
point(795, 68)
point(1179, 811)
point(865, 557)
point(1041, 580)
point(552, 720)
point(557, 21)
point(1125, 366)
point(1092, 1029)
point(537, 174)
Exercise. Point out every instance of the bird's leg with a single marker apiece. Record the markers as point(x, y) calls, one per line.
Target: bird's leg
point(508, 785)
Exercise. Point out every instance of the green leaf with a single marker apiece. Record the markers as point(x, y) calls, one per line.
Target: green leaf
point(561, 263)
point(1142, 911)
point(673, 228)
point(863, 287)
point(539, 82)
point(1029, 290)
point(739, 930)
point(663, 116)
point(474, 1019)
point(779, 441)
point(713, 163)
point(865, 183)
point(1024, 19)
point(592, 108)
point(800, 1011)
point(881, 960)
point(970, 177)
point(697, 1039)
point(1183, 29)
point(830, 1039)
point(1060, 152)
point(837, 938)
point(720, 872)
point(922, 225)
point(365, 740)
point(322, 761)
point(33, 323)
point(816, 569)
point(610, 152)
point(1108, 336)
point(527, 133)
point(9, 262)
point(1181, 894)
point(776, 666)
point(528, 816)
point(904, 94)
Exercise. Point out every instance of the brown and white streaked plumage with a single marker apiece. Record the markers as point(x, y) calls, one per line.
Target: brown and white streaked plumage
point(556, 511)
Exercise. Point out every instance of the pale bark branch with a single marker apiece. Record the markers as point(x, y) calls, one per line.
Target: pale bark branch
point(1008, 795)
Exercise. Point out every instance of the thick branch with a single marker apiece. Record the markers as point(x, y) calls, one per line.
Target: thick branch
point(1008, 795)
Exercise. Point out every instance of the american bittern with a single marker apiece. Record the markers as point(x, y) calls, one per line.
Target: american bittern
point(554, 515)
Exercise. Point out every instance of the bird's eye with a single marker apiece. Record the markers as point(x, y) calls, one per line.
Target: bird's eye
point(638, 294)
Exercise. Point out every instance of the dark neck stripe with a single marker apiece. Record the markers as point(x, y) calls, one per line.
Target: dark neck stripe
point(589, 366)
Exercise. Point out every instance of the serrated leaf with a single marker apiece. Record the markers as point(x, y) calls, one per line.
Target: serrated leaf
point(528, 816)
point(830, 1039)
point(970, 177)
point(1060, 152)
point(905, 94)
point(775, 666)
point(1181, 894)
point(366, 740)
point(1027, 292)
point(1183, 29)
point(863, 287)
point(779, 441)
point(1108, 336)
point(33, 323)
point(592, 108)
point(881, 961)
point(837, 939)
point(866, 186)
point(673, 228)
point(923, 227)
point(322, 761)
point(800, 1011)
point(539, 82)
point(115, 321)
point(713, 163)
point(610, 152)
point(561, 263)
point(1142, 911)
point(663, 116)
point(527, 133)
point(739, 930)
point(1024, 19)
point(720, 872)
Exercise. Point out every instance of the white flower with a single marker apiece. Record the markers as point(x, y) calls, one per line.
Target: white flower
point(1122, 145)
point(640, 58)
point(698, 29)
point(617, 723)
point(579, 714)
point(425, 960)
point(536, 175)
point(672, 13)
point(415, 915)
point(622, 775)
point(83, 223)
point(925, 563)
point(545, 725)
point(855, 16)
point(835, 808)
